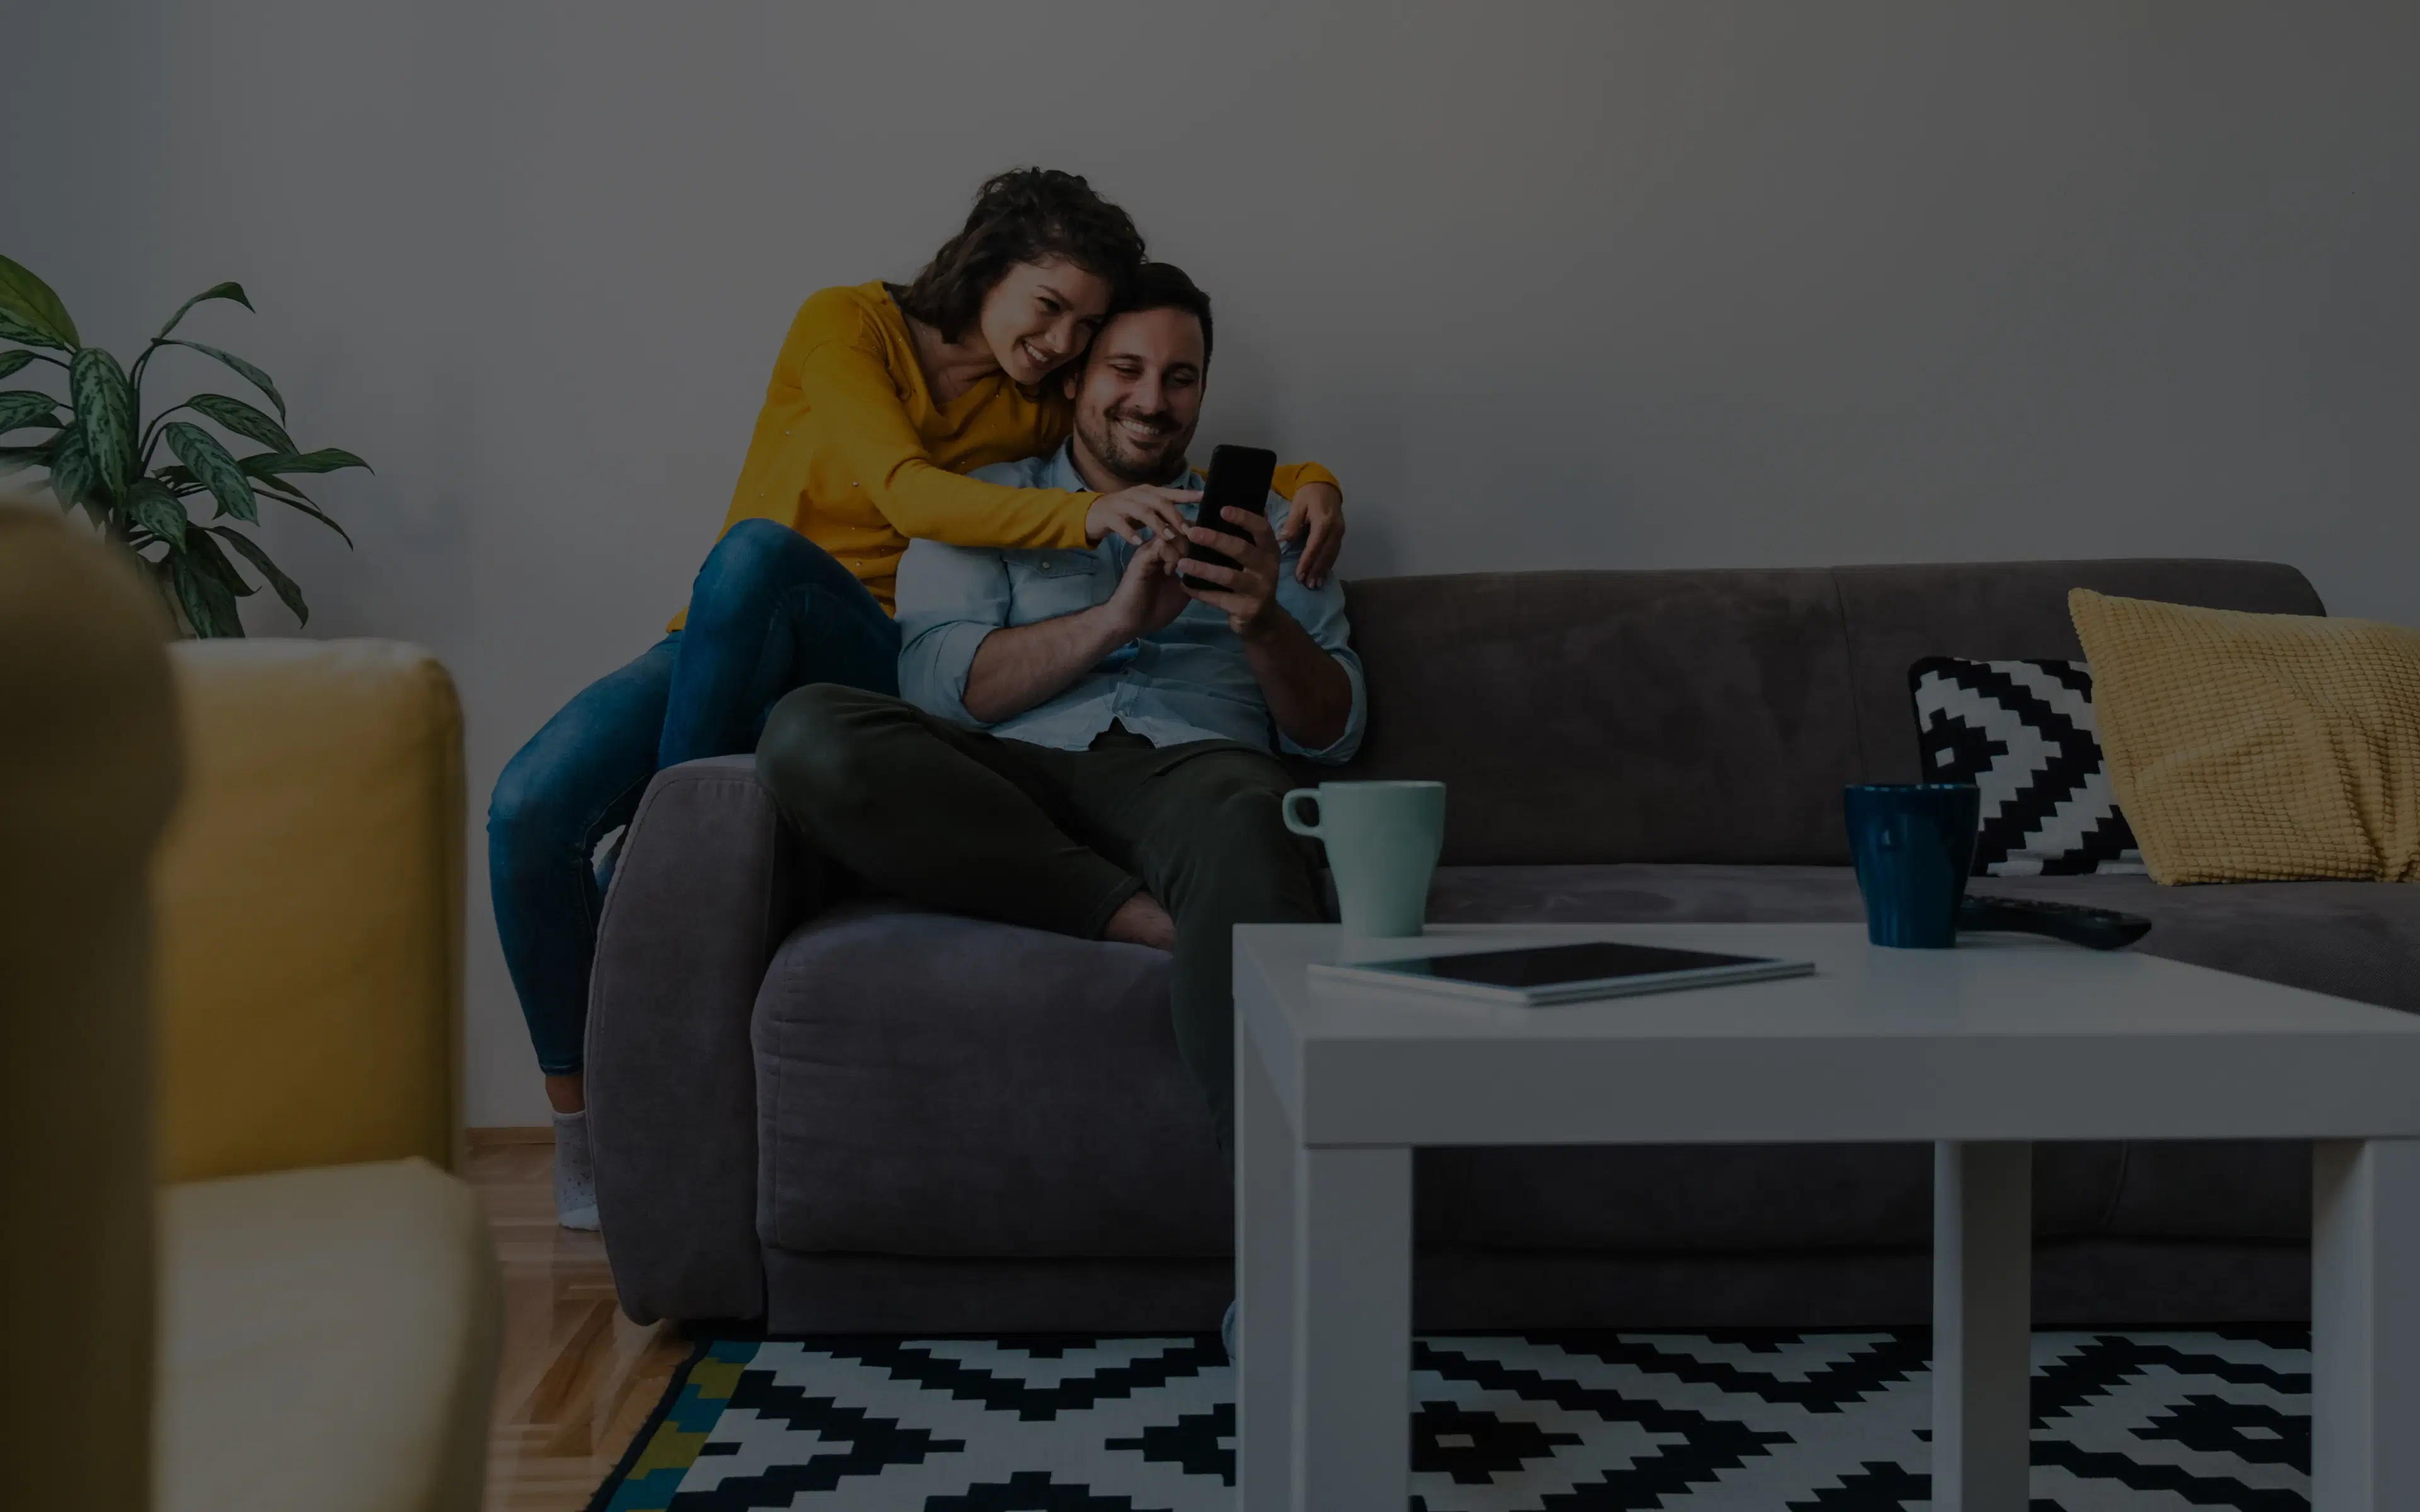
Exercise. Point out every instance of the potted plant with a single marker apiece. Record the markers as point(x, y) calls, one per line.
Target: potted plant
point(104, 457)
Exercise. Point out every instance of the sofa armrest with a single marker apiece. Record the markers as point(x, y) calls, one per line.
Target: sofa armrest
point(709, 882)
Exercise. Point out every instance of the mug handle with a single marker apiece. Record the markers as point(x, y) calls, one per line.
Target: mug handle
point(1286, 807)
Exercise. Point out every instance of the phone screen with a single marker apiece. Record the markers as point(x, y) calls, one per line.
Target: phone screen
point(1239, 476)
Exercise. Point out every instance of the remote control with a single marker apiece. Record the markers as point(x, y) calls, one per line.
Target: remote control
point(2095, 929)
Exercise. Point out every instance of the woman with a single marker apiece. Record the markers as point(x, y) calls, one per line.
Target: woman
point(881, 399)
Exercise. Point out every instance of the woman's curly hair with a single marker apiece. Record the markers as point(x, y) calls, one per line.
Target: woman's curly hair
point(1024, 215)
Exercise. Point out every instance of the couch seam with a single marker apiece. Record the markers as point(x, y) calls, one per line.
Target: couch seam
point(1848, 654)
point(2118, 1188)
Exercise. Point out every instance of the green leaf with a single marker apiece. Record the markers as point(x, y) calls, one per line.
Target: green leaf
point(289, 592)
point(21, 407)
point(209, 604)
point(12, 328)
point(252, 375)
point(216, 291)
point(326, 459)
point(10, 362)
point(206, 556)
point(15, 459)
point(157, 510)
point(32, 313)
point(73, 479)
point(312, 511)
point(179, 479)
point(242, 419)
point(209, 462)
point(105, 410)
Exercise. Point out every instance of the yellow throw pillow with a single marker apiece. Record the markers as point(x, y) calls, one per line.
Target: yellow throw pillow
point(2257, 748)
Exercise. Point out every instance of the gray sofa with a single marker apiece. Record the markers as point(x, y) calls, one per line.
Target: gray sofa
point(831, 1112)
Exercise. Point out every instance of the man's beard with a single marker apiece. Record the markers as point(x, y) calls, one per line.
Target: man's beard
point(1113, 448)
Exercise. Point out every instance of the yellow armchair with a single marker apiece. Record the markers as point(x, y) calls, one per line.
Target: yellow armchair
point(329, 1313)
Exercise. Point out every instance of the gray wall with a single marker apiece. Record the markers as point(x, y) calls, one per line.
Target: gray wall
point(1548, 285)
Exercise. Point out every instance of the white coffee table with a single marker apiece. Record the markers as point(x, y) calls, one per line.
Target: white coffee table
point(1980, 1051)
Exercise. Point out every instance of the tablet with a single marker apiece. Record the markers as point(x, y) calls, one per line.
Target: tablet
point(1542, 975)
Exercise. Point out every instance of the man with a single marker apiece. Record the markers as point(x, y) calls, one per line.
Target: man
point(1086, 742)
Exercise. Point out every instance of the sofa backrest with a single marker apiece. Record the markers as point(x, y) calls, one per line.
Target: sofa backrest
point(1704, 715)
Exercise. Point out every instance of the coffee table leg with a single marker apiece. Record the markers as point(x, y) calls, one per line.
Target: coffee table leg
point(1982, 1325)
point(1352, 1386)
point(2364, 1325)
point(1265, 1204)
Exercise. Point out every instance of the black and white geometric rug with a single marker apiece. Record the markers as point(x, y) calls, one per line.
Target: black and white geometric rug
point(1741, 1422)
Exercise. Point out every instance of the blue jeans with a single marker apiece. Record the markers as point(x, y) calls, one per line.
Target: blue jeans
point(770, 611)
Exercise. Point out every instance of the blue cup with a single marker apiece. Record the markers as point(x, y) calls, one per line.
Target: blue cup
point(1913, 843)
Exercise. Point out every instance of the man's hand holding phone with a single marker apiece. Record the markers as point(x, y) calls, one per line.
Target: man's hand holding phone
point(1247, 592)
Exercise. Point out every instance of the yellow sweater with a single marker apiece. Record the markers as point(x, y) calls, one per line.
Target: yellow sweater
point(851, 451)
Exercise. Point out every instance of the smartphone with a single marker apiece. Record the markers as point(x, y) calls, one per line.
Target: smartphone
point(1239, 476)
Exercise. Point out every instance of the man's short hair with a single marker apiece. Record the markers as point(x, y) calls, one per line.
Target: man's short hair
point(1166, 286)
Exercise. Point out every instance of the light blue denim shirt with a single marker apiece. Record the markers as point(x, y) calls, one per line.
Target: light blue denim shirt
point(1187, 682)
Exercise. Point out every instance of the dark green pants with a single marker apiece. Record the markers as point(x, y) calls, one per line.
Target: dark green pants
point(1053, 839)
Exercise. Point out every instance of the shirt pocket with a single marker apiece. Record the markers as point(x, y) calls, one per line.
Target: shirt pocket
point(1050, 584)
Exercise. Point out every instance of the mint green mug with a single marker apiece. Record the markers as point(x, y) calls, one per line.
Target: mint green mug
point(1383, 839)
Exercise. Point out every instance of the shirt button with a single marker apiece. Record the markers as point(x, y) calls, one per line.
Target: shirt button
point(1045, 564)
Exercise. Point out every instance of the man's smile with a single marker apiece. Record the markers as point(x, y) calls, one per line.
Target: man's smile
point(1146, 430)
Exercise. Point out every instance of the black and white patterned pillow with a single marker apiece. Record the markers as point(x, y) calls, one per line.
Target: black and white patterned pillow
point(2023, 733)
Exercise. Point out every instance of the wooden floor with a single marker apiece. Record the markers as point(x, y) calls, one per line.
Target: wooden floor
point(578, 1377)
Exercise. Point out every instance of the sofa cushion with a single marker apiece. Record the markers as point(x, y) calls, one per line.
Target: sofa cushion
point(1648, 716)
point(931, 1085)
point(328, 1339)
